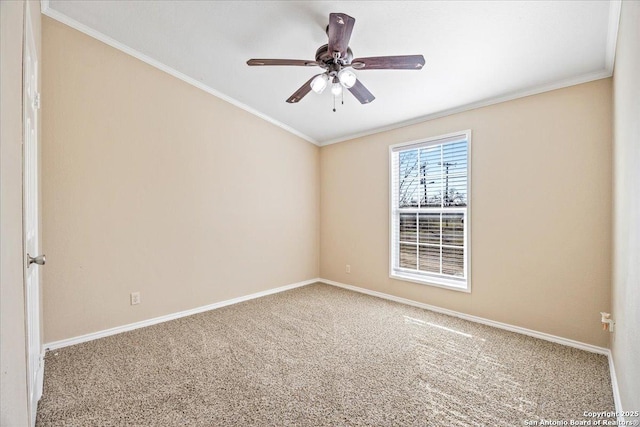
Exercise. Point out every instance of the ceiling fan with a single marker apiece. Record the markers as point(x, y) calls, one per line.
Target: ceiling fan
point(336, 58)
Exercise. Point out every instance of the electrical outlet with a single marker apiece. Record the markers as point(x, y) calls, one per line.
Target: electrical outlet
point(348, 268)
point(135, 298)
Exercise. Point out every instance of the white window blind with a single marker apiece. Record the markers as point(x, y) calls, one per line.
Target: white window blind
point(430, 211)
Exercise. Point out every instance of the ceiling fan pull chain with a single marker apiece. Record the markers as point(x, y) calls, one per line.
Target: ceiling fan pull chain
point(336, 59)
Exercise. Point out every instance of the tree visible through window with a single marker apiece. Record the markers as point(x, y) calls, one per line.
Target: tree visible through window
point(430, 187)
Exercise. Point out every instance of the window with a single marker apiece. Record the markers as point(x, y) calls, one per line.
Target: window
point(430, 211)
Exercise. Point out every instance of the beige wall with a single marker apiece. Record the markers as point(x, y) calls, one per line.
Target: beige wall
point(152, 185)
point(540, 212)
point(626, 247)
point(13, 370)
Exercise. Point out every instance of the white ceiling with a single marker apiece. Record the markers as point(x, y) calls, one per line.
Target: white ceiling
point(477, 52)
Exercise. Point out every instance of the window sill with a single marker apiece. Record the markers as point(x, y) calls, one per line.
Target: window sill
point(432, 281)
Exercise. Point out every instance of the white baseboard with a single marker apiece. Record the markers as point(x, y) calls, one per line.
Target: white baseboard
point(616, 390)
point(40, 376)
point(124, 328)
point(548, 337)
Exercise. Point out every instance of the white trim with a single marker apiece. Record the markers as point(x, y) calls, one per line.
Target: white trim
point(541, 335)
point(585, 78)
point(54, 14)
point(616, 390)
point(31, 236)
point(612, 33)
point(423, 278)
point(438, 282)
point(137, 325)
point(40, 377)
point(463, 135)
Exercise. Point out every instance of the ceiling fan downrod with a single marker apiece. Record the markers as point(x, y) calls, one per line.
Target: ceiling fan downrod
point(336, 58)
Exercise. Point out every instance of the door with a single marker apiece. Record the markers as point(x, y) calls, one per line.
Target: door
point(33, 259)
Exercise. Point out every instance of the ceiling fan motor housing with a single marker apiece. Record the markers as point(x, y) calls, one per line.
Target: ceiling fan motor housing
point(323, 56)
point(336, 59)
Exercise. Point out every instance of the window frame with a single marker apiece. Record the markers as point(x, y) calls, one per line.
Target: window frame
point(424, 278)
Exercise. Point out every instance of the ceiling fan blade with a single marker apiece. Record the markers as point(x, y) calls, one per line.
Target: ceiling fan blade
point(297, 62)
point(302, 91)
point(340, 28)
point(404, 62)
point(361, 93)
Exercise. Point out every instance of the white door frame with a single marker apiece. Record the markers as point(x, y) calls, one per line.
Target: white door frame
point(30, 197)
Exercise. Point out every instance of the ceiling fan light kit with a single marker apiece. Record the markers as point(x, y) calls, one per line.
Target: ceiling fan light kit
point(319, 83)
point(336, 58)
point(336, 89)
point(347, 78)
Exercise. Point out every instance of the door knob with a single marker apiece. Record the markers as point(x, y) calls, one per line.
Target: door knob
point(40, 259)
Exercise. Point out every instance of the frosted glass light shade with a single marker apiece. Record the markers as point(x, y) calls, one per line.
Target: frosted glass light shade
point(319, 83)
point(347, 78)
point(336, 89)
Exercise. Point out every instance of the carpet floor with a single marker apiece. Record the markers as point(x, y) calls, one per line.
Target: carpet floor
point(320, 356)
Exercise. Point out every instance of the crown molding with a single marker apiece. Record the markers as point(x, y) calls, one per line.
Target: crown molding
point(585, 78)
point(60, 17)
point(612, 37)
point(615, 7)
